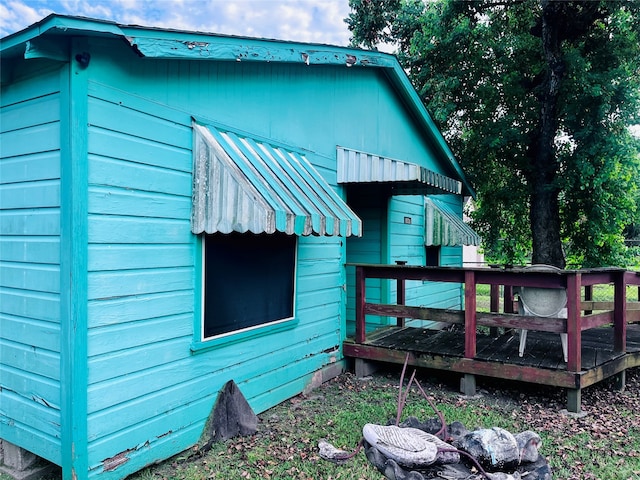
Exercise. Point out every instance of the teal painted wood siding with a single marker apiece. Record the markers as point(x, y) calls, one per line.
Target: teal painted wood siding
point(408, 244)
point(30, 265)
point(114, 162)
point(400, 236)
point(141, 280)
point(146, 386)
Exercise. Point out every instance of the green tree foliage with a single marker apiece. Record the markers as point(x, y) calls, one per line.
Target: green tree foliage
point(535, 98)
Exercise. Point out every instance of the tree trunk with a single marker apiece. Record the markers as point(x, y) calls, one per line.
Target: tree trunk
point(545, 227)
point(544, 213)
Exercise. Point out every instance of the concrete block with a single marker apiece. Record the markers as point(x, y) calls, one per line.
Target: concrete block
point(17, 458)
point(468, 385)
point(365, 368)
point(21, 464)
point(325, 374)
point(37, 472)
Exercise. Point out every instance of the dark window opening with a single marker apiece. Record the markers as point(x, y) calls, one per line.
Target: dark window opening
point(249, 280)
point(432, 256)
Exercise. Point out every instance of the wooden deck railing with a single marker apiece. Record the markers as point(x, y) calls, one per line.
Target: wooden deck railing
point(578, 285)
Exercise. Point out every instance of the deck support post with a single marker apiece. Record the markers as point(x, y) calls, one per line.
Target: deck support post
point(574, 400)
point(468, 385)
point(400, 293)
point(468, 382)
point(588, 297)
point(494, 305)
point(620, 381)
point(364, 368)
point(574, 330)
point(508, 299)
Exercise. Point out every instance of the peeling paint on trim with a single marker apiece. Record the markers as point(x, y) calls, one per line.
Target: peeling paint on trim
point(110, 464)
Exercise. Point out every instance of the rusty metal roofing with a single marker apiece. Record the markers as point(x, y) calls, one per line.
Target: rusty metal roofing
point(242, 185)
point(360, 167)
point(443, 227)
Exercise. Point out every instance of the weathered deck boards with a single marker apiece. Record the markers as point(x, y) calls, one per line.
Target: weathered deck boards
point(498, 357)
point(599, 345)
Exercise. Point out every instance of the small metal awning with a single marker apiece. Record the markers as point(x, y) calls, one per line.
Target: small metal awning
point(241, 184)
point(404, 177)
point(444, 227)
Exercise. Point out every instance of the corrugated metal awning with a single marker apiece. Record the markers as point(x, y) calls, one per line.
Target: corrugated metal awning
point(404, 177)
point(444, 227)
point(241, 184)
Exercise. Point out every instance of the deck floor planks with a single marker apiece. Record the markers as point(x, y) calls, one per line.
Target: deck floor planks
point(443, 343)
point(501, 348)
point(543, 349)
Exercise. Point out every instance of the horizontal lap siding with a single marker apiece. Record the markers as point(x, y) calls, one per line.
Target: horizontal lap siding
point(406, 237)
point(408, 243)
point(145, 384)
point(449, 295)
point(30, 266)
point(141, 273)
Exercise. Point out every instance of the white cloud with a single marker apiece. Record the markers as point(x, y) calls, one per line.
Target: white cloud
point(16, 15)
point(317, 21)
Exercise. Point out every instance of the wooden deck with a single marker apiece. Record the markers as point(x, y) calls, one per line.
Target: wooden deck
point(497, 356)
point(601, 343)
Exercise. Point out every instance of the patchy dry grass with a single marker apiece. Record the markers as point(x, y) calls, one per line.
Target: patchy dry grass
point(604, 445)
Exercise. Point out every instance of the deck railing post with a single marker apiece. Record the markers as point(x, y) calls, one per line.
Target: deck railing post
point(588, 297)
point(400, 293)
point(620, 313)
point(470, 325)
point(574, 331)
point(494, 298)
point(360, 300)
point(508, 299)
point(494, 304)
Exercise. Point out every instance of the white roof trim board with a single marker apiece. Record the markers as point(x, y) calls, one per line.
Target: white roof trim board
point(445, 228)
point(360, 167)
point(244, 185)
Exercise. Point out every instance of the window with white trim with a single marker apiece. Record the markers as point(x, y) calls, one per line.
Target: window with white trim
point(248, 281)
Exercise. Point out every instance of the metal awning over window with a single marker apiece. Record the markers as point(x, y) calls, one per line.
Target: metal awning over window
point(241, 184)
point(404, 177)
point(445, 228)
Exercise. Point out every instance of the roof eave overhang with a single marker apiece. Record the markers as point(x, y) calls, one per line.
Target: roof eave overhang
point(175, 44)
point(17, 43)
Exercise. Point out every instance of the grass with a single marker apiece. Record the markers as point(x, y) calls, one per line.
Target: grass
point(605, 445)
point(601, 293)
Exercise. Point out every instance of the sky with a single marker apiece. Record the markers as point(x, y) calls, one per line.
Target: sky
point(309, 21)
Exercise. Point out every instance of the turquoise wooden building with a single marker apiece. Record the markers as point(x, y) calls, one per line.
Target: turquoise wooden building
point(178, 210)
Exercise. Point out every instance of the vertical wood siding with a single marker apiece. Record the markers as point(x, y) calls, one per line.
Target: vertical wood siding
point(30, 265)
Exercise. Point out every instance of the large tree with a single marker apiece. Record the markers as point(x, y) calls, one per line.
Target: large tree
point(535, 98)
